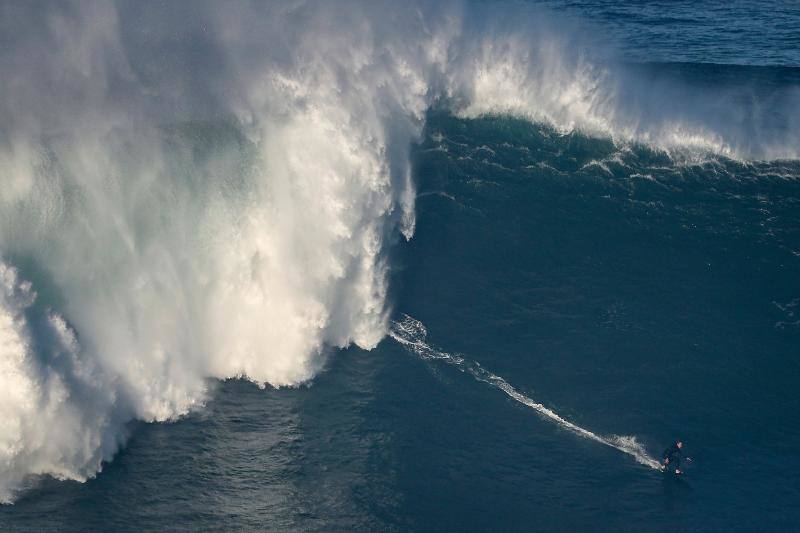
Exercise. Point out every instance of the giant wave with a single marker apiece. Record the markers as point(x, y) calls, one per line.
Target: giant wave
point(207, 191)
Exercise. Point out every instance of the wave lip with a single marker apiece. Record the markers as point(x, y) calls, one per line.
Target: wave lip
point(215, 197)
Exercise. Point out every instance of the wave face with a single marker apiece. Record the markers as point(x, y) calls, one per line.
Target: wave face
point(205, 191)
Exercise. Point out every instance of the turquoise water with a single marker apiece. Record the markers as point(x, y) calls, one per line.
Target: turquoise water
point(586, 300)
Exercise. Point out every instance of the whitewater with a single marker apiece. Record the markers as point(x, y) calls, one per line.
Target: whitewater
point(217, 197)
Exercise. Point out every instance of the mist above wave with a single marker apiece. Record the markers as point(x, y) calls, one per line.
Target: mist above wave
point(209, 190)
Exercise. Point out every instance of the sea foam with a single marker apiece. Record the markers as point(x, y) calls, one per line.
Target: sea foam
point(210, 190)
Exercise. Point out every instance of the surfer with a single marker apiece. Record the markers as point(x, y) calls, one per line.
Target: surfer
point(672, 457)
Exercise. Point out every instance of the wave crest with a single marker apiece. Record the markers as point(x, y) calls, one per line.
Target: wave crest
point(208, 191)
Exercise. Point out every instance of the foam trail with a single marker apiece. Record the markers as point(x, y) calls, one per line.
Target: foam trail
point(411, 333)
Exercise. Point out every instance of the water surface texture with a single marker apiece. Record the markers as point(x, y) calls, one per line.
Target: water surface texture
point(382, 267)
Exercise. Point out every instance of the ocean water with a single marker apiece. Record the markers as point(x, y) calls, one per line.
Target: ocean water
point(371, 267)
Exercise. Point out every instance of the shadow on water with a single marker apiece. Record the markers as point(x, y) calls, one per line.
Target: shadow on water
point(677, 493)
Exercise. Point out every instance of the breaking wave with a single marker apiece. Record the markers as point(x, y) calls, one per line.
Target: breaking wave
point(200, 190)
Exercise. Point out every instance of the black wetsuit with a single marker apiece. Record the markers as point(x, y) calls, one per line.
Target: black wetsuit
point(673, 453)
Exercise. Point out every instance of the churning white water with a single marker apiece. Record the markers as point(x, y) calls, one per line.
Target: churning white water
point(206, 190)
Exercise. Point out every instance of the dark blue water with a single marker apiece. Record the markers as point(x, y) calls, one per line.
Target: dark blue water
point(632, 291)
point(736, 33)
